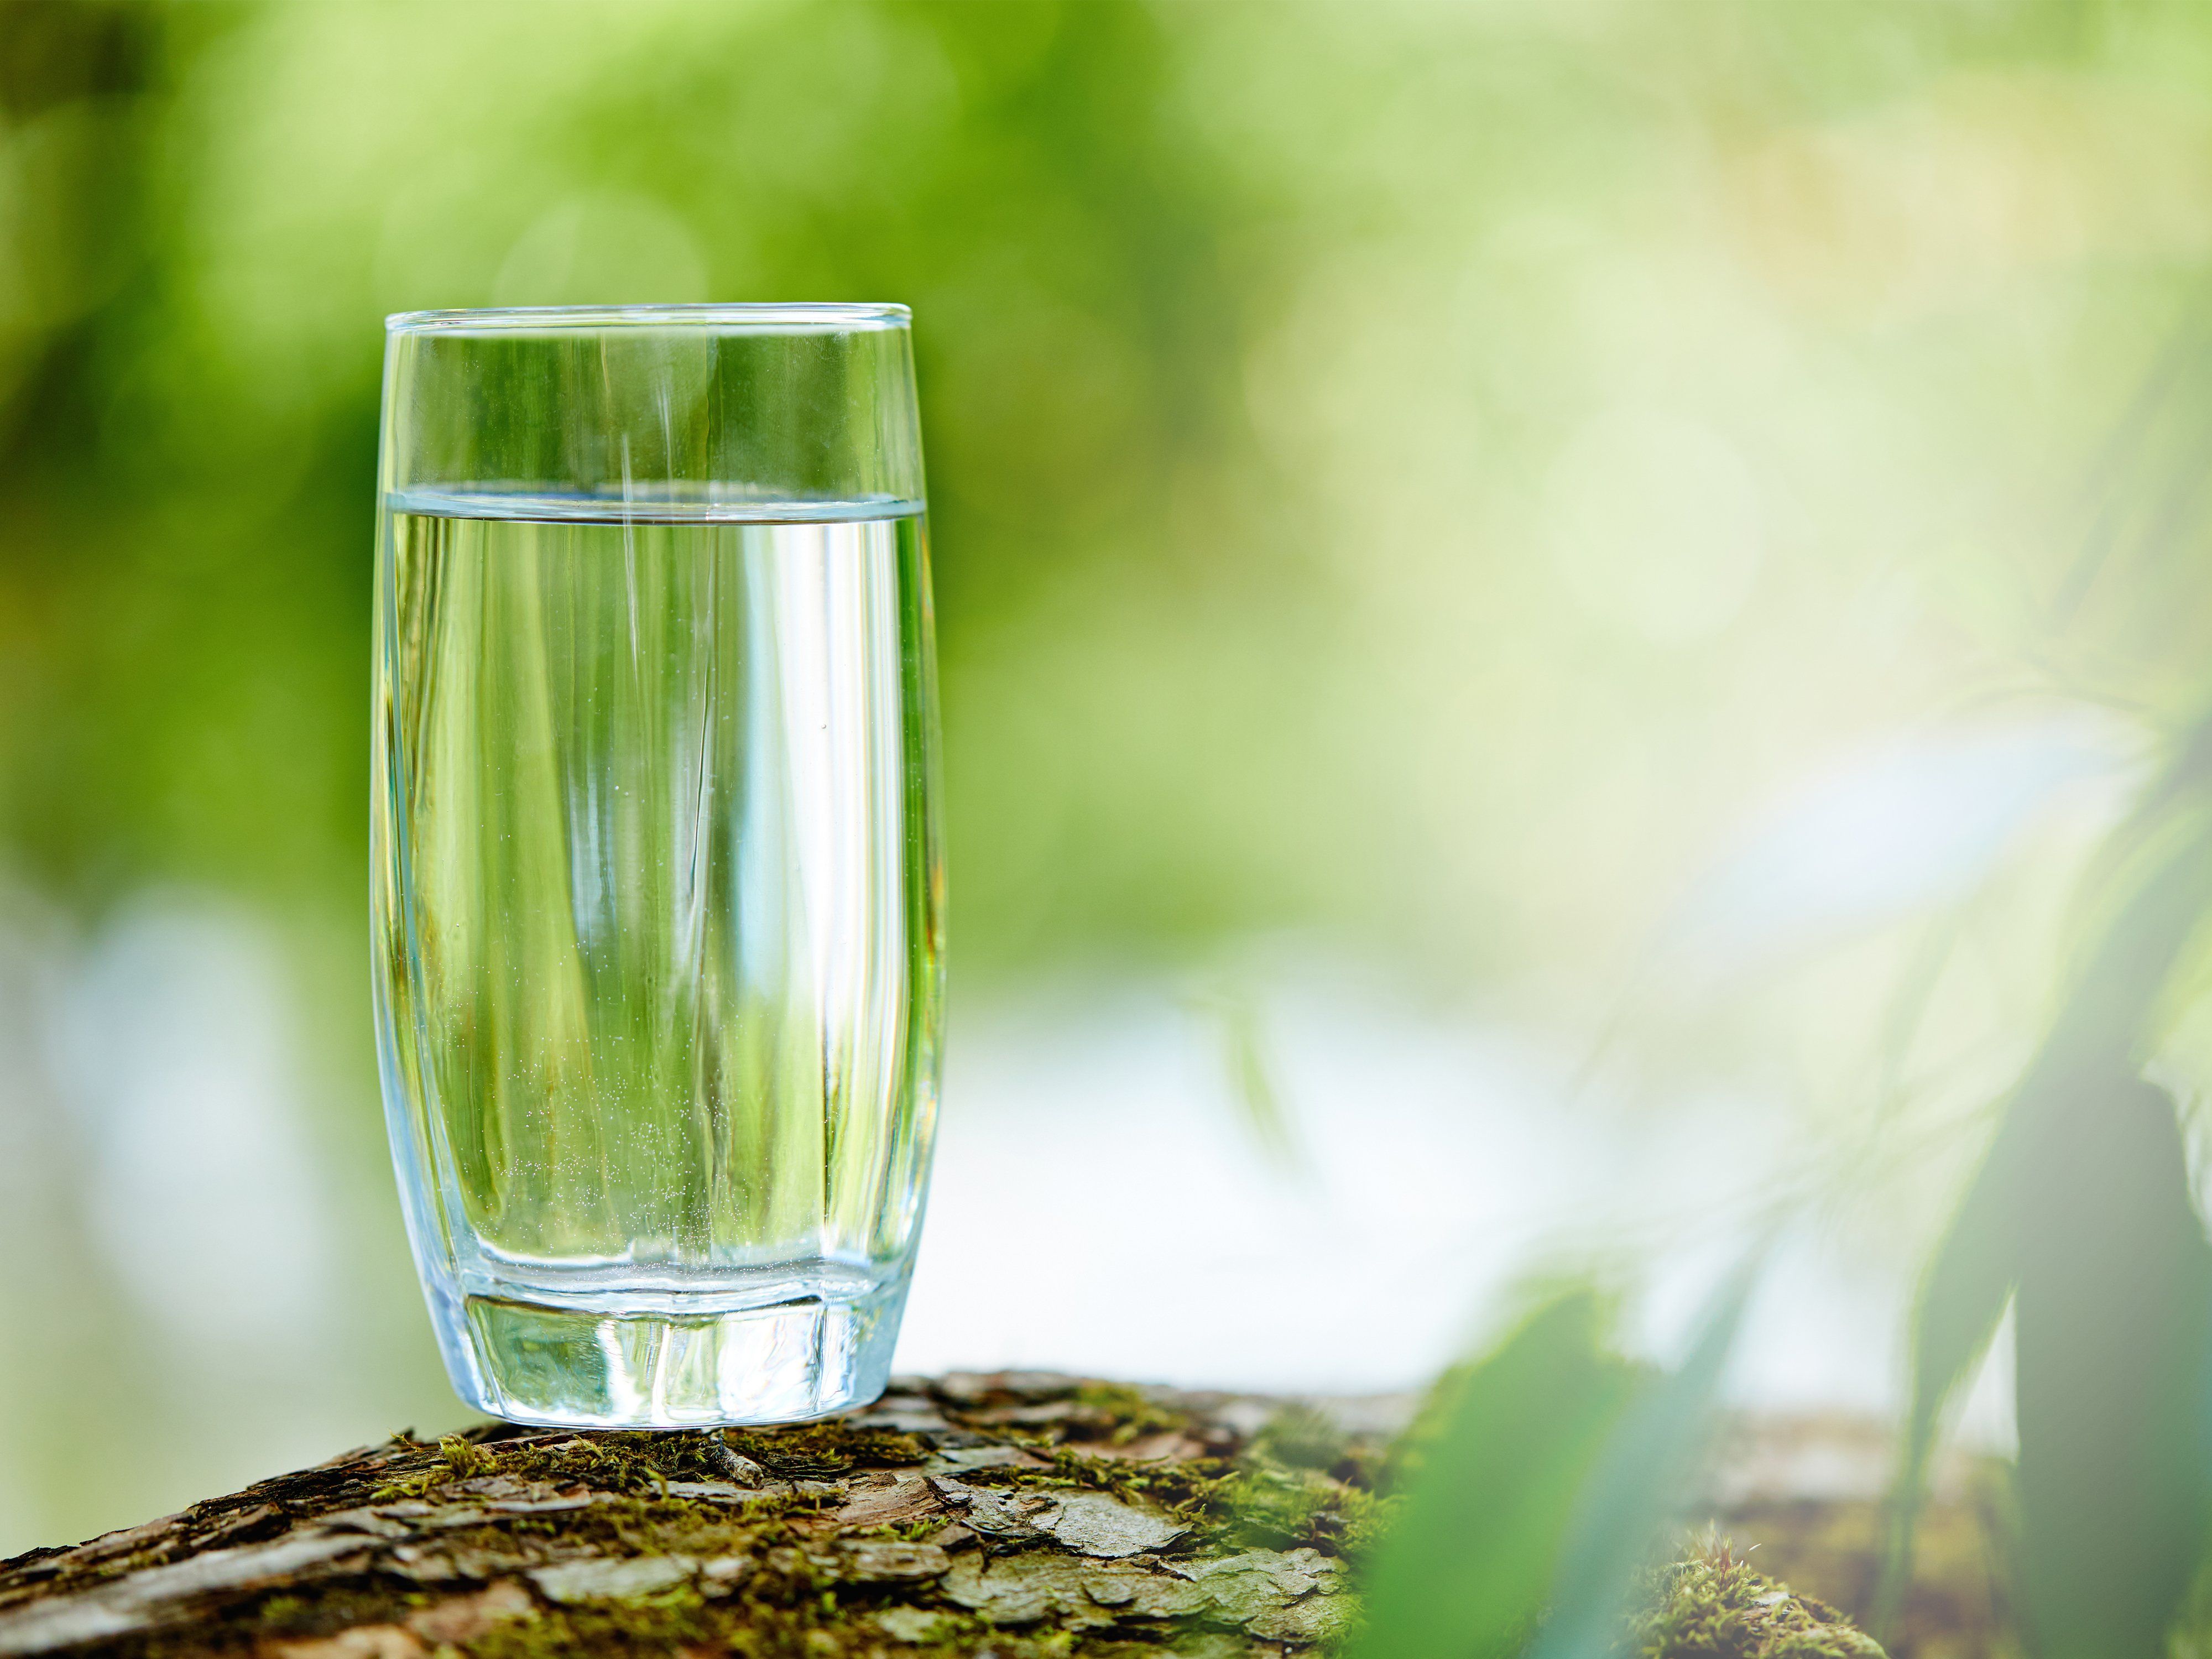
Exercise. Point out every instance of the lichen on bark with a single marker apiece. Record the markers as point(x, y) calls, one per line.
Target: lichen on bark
point(1020, 1516)
point(1712, 1605)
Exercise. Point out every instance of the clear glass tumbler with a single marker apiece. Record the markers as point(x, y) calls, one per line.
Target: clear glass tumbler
point(657, 895)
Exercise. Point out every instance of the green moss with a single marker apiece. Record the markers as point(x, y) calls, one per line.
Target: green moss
point(1300, 1437)
point(616, 1462)
point(284, 1615)
point(821, 1451)
point(782, 1612)
point(646, 1462)
point(282, 1611)
point(1301, 1484)
point(1134, 1414)
point(1270, 1507)
point(1257, 1502)
point(1713, 1606)
point(657, 1628)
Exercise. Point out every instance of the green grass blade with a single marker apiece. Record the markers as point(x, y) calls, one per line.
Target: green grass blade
point(1465, 1572)
point(1962, 1297)
point(1640, 1482)
point(2114, 1335)
point(2158, 884)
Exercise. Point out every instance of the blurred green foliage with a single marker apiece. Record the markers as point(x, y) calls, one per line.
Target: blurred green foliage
point(215, 206)
point(1376, 459)
point(1543, 1482)
point(2082, 1220)
point(1415, 474)
point(1468, 1566)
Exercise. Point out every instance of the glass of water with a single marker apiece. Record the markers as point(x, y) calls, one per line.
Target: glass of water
point(657, 898)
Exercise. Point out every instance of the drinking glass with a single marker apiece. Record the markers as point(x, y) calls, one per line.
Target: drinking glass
point(657, 896)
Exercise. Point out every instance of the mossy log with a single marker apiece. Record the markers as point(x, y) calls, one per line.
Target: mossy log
point(1009, 1514)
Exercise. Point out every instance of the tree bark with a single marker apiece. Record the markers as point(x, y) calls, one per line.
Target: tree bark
point(1010, 1514)
point(1013, 1515)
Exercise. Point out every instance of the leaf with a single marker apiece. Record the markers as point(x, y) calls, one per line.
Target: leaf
point(1962, 1297)
point(2160, 868)
point(2114, 1337)
point(1640, 1480)
point(1465, 1572)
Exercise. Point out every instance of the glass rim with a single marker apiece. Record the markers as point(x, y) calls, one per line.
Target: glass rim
point(751, 317)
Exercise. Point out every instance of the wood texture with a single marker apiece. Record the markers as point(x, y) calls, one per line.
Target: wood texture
point(1015, 1516)
point(1010, 1514)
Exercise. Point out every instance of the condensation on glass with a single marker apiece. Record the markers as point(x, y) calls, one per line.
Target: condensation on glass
point(656, 891)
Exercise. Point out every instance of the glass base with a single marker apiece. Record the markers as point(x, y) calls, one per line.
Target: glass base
point(669, 1367)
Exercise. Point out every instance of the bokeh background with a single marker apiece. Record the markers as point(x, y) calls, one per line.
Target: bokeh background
point(1541, 601)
